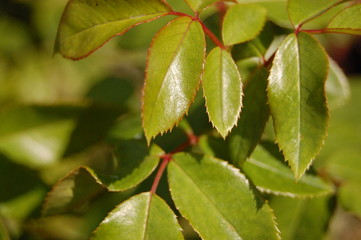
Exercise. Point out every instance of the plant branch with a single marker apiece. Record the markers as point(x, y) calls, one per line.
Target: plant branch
point(166, 158)
point(206, 30)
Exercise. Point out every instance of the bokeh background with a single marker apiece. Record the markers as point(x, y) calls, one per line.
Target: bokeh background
point(38, 145)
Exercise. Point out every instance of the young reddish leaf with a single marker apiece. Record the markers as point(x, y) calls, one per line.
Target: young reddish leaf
point(217, 200)
point(300, 11)
point(242, 23)
point(347, 21)
point(245, 137)
point(86, 24)
point(175, 65)
point(222, 88)
point(271, 175)
point(296, 95)
point(144, 216)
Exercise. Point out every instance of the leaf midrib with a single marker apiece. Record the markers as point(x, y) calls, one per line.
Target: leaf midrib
point(176, 52)
point(206, 196)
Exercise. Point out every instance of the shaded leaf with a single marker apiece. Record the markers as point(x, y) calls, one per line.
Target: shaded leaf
point(301, 11)
point(217, 200)
point(337, 87)
point(347, 21)
point(307, 218)
point(132, 163)
point(36, 135)
point(175, 64)
point(86, 24)
point(72, 193)
point(245, 137)
point(297, 100)
point(269, 174)
point(349, 196)
point(222, 88)
point(242, 23)
point(144, 216)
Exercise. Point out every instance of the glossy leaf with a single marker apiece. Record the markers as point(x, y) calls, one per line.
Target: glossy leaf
point(306, 218)
point(133, 162)
point(86, 25)
point(242, 23)
point(72, 193)
point(175, 64)
point(297, 100)
point(337, 87)
point(269, 174)
point(222, 87)
point(245, 137)
point(301, 11)
point(217, 201)
point(347, 21)
point(144, 216)
point(199, 5)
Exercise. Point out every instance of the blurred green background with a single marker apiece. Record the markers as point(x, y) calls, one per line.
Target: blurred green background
point(56, 113)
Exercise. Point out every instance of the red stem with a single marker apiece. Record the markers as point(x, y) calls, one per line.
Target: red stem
point(204, 27)
point(166, 158)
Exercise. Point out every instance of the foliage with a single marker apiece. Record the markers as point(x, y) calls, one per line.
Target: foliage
point(258, 170)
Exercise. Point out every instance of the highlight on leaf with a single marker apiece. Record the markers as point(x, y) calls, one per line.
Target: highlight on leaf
point(174, 69)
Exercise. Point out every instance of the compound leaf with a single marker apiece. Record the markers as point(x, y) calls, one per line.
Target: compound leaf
point(175, 65)
point(300, 11)
point(222, 88)
point(347, 21)
point(87, 24)
point(255, 113)
point(296, 95)
point(144, 216)
point(217, 200)
point(269, 174)
point(242, 23)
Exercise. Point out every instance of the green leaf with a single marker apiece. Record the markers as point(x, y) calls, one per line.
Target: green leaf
point(36, 135)
point(86, 24)
point(306, 218)
point(222, 88)
point(175, 65)
point(337, 87)
point(301, 11)
point(349, 196)
point(297, 99)
point(144, 216)
point(72, 193)
point(269, 174)
point(255, 113)
point(276, 10)
point(242, 23)
point(133, 163)
point(347, 21)
point(217, 200)
point(199, 5)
